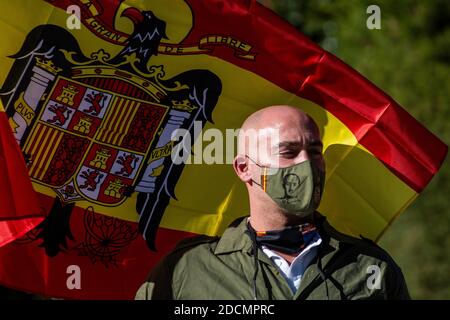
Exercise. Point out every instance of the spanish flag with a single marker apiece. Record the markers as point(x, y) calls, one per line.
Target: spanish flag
point(19, 207)
point(94, 91)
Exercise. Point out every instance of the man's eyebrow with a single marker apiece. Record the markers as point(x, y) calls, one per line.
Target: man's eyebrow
point(288, 144)
point(313, 144)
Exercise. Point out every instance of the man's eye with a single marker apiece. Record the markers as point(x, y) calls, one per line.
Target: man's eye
point(288, 154)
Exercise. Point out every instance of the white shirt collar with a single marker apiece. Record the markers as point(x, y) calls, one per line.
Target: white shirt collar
point(293, 273)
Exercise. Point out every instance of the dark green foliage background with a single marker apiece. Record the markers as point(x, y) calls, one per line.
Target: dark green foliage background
point(409, 58)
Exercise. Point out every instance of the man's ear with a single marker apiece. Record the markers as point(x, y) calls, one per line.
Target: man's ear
point(240, 166)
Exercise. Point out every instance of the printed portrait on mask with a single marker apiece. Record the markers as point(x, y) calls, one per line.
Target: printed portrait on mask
point(291, 183)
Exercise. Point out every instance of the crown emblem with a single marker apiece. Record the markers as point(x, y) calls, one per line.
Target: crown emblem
point(183, 105)
point(47, 65)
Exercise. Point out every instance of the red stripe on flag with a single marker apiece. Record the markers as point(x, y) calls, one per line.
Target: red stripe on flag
point(289, 59)
point(19, 207)
point(406, 147)
point(109, 272)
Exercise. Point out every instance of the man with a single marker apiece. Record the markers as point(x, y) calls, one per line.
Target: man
point(285, 249)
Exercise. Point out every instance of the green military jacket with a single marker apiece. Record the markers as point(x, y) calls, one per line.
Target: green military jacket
point(223, 268)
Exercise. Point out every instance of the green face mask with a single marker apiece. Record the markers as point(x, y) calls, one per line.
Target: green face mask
point(297, 189)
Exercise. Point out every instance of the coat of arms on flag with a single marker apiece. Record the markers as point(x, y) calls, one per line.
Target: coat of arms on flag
point(99, 128)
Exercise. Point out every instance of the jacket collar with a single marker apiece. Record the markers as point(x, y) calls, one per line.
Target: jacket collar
point(236, 238)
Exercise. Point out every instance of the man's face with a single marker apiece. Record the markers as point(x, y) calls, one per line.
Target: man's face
point(292, 182)
point(288, 138)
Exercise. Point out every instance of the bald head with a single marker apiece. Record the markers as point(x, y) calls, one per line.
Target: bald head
point(267, 114)
point(268, 123)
